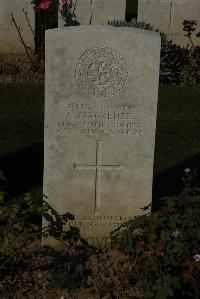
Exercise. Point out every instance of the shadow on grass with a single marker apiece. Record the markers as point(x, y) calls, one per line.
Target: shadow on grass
point(170, 182)
point(24, 171)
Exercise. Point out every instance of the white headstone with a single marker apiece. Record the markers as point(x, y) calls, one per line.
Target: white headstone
point(100, 121)
point(168, 16)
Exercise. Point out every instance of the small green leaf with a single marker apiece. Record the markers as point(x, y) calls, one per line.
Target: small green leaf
point(45, 235)
point(45, 207)
point(79, 269)
point(17, 225)
point(67, 216)
point(48, 217)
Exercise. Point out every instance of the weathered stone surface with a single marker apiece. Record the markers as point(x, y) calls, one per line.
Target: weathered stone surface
point(97, 12)
point(108, 10)
point(168, 16)
point(100, 121)
point(9, 38)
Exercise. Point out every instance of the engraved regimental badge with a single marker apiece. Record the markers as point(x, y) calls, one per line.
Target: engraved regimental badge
point(101, 72)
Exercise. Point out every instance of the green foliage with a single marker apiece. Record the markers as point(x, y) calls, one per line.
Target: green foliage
point(69, 270)
point(20, 220)
point(164, 245)
point(56, 226)
point(17, 216)
point(68, 274)
point(21, 225)
point(191, 71)
point(68, 13)
point(178, 66)
point(189, 26)
point(133, 23)
point(172, 61)
point(170, 69)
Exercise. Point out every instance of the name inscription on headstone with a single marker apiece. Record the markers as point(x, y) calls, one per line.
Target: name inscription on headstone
point(106, 119)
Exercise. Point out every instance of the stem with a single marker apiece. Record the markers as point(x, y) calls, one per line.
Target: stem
point(29, 24)
point(22, 41)
point(191, 42)
point(75, 7)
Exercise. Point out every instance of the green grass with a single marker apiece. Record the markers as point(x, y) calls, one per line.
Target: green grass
point(178, 122)
point(178, 126)
point(21, 116)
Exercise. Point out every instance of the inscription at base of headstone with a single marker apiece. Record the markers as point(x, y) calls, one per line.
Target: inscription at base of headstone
point(100, 121)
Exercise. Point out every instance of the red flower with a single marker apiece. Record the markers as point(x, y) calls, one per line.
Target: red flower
point(45, 4)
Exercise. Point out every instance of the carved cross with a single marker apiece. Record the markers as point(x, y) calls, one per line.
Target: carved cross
point(98, 167)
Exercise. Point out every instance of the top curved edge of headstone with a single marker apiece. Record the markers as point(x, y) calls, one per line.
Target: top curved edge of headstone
point(84, 28)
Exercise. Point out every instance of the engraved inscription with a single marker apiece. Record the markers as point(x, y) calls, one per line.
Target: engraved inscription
point(105, 120)
point(93, 221)
point(101, 72)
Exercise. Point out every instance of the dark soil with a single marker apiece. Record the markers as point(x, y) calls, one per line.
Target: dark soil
point(17, 68)
point(30, 277)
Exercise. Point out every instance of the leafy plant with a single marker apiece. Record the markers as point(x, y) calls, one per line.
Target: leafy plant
point(172, 62)
point(191, 71)
point(189, 26)
point(68, 274)
point(69, 270)
point(164, 245)
point(21, 225)
point(20, 221)
point(173, 57)
point(67, 11)
point(158, 252)
point(16, 216)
